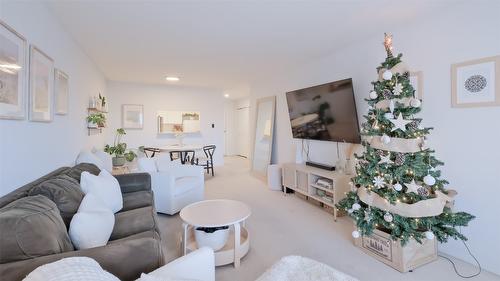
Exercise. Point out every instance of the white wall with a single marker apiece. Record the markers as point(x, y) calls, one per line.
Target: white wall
point(465, 139)
point(210, 104)
point(30, 149)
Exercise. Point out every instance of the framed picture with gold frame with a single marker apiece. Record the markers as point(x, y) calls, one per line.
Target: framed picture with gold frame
point(476, 83)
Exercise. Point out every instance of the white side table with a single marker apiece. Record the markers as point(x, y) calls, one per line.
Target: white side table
point(217, 213)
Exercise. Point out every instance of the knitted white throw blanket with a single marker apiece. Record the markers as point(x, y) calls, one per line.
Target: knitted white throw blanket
point(296, 268)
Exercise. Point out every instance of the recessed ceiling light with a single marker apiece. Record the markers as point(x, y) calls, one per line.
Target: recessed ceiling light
point(172, 78)
point(226, 95)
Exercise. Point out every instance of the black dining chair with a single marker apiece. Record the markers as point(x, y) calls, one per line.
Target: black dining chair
point(153, 151)
point(208, 161)
point(186, 156)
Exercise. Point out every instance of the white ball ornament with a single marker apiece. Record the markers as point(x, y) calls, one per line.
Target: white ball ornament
point(429, 180)
point(415, 103)
point(397, 186)
point(350, 211)
point(387, 75)
point(429, 235)
point(356, 206)
point(385, 139)
point(373, 95)
point(388, 217)
point(355, 234)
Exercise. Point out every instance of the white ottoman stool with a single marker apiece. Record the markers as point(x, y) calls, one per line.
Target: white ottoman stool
point(274, 177)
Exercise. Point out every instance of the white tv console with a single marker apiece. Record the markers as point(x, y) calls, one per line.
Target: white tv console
point(302, 179)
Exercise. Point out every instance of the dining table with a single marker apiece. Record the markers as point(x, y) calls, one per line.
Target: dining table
point(181, 148)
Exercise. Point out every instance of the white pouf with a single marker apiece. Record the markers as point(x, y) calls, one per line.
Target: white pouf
point(274, 177)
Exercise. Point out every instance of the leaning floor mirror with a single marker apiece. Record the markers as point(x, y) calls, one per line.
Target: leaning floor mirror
point(263, 143)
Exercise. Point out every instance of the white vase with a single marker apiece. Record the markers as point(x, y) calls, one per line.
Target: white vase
point(215, 240)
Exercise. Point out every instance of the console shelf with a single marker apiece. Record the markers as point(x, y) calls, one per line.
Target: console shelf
point(302, 179)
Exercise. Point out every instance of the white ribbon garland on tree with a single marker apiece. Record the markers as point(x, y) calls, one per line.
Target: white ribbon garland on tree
point(397, 144)
point(385, 104)
point(423, 208)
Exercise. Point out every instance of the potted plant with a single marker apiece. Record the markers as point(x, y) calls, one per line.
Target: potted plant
point(119, 149)
point(96, 120)
point(213, 237)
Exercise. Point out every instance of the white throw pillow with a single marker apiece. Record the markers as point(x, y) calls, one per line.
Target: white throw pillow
point(88, 157)
point(71, 269)
point(105, 187)
point(92, 225)
point(105, 158)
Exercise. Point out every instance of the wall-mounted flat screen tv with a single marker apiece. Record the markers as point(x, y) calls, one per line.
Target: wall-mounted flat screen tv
point(326, 112)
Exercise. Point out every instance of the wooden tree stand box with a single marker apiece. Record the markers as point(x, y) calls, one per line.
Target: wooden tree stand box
point(380, 246)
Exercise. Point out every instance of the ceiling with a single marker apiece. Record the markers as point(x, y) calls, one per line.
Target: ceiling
point(222, 44)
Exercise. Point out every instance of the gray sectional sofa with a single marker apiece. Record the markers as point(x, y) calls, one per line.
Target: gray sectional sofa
point(34, 220)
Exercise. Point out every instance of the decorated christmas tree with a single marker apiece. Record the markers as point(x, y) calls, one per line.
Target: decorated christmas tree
point(397, 187)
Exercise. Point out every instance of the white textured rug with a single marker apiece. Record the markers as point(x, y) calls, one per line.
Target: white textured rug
point(296, 268)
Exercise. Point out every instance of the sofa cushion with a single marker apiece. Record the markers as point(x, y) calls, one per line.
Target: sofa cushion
point(133, 222)
point(64, 191)
point(76, 171)
point(138, 199)
point(24, 190)
point(32, 227)
point(146, 234)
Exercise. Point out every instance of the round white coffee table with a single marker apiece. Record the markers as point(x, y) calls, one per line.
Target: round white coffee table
point(217, 213)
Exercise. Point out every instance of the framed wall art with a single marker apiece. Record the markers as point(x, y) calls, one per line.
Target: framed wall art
point(476, 83)
point(132, 116)
point(13, 64)
point(61, 94)
point(41, 86)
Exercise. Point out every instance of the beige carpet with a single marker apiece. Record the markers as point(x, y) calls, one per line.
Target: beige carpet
point(287, 225)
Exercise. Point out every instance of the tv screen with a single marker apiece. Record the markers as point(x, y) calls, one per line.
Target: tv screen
point(326, 112)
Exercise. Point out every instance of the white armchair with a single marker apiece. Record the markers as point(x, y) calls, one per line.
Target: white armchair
point(174, 185)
